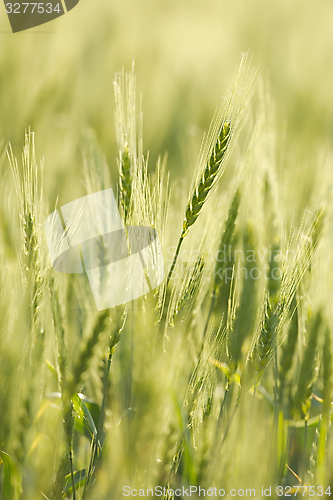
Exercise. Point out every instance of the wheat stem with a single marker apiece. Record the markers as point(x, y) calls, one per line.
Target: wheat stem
point(224, 437)
point(181, 239)
point(210, 312)
point(72, 472)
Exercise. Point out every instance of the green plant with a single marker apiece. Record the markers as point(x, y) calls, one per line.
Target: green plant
point(177, 388)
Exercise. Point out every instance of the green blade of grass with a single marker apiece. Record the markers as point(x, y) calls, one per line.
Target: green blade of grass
point(79, 480)
point(10, 475)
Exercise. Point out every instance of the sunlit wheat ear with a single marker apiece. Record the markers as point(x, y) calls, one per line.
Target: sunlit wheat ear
point(209, 177)
point(250, 159)
point(327, 358)
point(129, 145)
point(218, 146)
point(125, 181)
point(317, 470)
point(288, 350)
point(29, 196)
point(307, 369)
point(28, 186)
point(270, 331)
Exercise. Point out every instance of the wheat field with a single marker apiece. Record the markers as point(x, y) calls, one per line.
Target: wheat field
point(212, 126)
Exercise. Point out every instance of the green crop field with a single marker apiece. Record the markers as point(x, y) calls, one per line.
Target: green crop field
point(212, 122)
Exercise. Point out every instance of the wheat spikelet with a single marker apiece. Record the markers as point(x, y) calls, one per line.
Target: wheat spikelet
point(288, 350)
point(130, 150)
point(30, 200)
point(217, 148)
point(208, 178)
point(318, 469)
point(327, 373)
point(307, 370)
point(271, 328)
point(318, 463)
point(263, 348)
point(125, 181)
point(28, 187)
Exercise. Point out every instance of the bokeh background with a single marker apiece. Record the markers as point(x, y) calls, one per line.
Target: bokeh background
point(57, 78)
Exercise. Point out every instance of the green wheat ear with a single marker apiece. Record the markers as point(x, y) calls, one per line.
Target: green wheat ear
point(208, 178)
point(327, 373)
point(129, 139)
point(274, 318)
point(217, 148)
point(307, 369)
point(125, 181)
point(288, 350)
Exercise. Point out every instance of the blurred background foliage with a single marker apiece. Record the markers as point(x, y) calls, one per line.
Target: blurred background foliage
point(57, 78)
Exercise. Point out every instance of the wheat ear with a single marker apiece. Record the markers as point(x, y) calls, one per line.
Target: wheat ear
point(288, 351)
point(30, 204)
point(125, 181)
point(319, 446)
point(202, 190)
point(217, 148)
point(129, 147)
point(307, 369)
point(274, 318)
